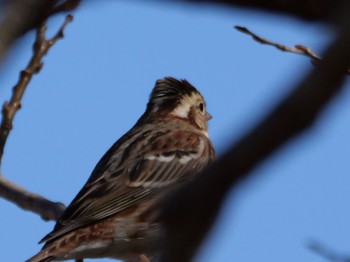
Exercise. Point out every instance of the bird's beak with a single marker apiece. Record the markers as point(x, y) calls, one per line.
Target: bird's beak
point(208, 116)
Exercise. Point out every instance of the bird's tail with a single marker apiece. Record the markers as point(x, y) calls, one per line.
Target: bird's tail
point(42, 256)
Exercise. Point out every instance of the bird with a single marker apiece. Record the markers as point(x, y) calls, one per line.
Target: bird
point(115, 213)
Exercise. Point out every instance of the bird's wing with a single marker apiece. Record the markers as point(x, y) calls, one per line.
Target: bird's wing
point(129, 174)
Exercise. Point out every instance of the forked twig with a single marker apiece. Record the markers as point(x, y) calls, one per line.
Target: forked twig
point(48, 210)
point(10, 108)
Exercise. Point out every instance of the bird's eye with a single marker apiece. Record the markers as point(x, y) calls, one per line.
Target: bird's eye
point(201, 107)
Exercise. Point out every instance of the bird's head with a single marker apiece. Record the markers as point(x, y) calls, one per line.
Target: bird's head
point(178, 98)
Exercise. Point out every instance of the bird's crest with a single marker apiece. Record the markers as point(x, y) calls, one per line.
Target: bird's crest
point(168, 93)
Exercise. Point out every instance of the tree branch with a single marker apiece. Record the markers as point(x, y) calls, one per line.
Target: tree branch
point(46, 209)
point(297, 49)
point(66, 6)
point(188, 213)
point(40, 47)
point(305, 9)
point(327, 253)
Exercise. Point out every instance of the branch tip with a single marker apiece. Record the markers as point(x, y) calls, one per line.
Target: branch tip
point(297, 49)
point(60, 32)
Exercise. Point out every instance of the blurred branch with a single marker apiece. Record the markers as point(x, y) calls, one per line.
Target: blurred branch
point(29, 201)
point(328, 253)
point(297, 49)
point(47, 209)
point(309, 10)
point(188, 212)
point(65, 6)
point(20, 16)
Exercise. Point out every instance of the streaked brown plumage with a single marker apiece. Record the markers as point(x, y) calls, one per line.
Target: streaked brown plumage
point(114, 214)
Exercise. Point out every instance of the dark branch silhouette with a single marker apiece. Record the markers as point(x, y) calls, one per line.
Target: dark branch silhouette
point(20, 16)
point(309, 10)
point(189, 212)
point(327, 253)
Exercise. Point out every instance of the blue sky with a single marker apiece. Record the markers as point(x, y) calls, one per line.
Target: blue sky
point(95, 84)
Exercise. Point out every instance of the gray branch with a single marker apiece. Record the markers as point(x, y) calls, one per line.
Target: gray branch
point(47, 209)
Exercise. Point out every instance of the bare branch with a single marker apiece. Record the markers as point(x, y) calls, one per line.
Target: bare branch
point(188, 212)
point(297, 49)
point(41, 47)
point(47, 209)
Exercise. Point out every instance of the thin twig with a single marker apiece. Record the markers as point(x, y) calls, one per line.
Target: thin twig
point(297, 49)
point(10, 108)
point(47, 209)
